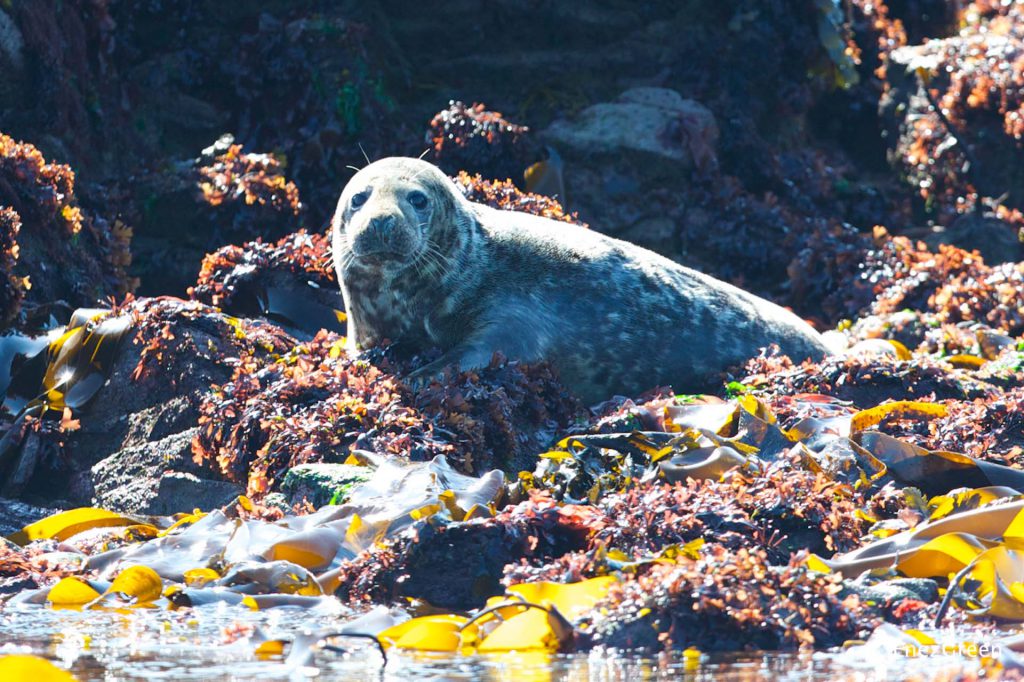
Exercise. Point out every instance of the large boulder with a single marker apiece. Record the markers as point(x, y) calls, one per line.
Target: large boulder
point(156, 477)
point(628, 162)
point(654, 124)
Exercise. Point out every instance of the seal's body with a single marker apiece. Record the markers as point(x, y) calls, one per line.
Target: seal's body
point(420, 265)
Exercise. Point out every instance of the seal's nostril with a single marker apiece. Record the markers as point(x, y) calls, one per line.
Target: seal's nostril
point(384, 222)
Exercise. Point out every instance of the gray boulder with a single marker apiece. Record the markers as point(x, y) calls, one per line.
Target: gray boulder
point(156, 477)
point(649, 122)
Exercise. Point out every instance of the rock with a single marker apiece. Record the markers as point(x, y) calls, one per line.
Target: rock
point(130, 479)
point(921, 589)
point(649, 121)
point(657, 234)
point(12, 60)
point(979, 98)
point(141, 423)
point(15, 515)
point(194, 206)
point(178, 491)
point(995, 239)
point(318, 483)
point(278, 500)
point(628, 163)
point(147, 479)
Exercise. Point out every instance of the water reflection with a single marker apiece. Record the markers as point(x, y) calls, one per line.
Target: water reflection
point(211, 643)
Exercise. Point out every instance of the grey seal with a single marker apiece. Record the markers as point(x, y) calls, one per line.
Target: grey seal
point(422, 266)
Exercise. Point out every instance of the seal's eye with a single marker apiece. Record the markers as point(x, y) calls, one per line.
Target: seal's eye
point(418, 200)
point(359, 199)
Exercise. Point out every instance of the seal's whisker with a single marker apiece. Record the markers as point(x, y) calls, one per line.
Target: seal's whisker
point(346, 259)
point(365, 155)
point(441, 261)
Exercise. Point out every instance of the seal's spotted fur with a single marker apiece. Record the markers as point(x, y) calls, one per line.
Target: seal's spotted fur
point(610, 316)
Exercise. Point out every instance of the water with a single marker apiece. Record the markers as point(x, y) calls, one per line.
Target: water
point(213, 643)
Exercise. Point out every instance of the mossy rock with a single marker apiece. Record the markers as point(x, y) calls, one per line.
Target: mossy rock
point(323, 482)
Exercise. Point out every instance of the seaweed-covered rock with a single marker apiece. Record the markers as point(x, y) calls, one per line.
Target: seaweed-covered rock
point(291, 282)
point(140, 389)
point(477, 140)
point(193, 207)
point(12, 287)
point(782, 511)
point(955, 112)
point(728, 600)
point(121, 87)
point(317, 404)
point(865, 380)
point(994, 238)
point(949, 285)
point(504, 195)
point(60, 251)
point(459, 566)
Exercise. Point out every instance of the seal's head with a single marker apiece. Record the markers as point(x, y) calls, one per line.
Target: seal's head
point(393, 214)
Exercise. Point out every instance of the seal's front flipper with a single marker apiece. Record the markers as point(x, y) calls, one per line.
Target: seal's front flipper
point(459, 359)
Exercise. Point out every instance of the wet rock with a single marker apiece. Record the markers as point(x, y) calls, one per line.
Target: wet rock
point(892, 591)
point(726, 600)
point(15, 515)
point(323, 483)
point(460, 565)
